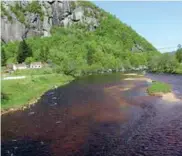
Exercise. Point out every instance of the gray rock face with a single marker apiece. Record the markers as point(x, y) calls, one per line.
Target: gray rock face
point(78, 14)
point(11, 31)
point(56, 12)
point(137, 48)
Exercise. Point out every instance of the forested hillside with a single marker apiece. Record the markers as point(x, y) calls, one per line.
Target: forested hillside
point(77, 49)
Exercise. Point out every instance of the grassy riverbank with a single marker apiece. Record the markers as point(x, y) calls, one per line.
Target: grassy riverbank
point(158, 88)
point(16, 93)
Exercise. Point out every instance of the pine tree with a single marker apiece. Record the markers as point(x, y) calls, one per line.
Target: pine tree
point(24, 51)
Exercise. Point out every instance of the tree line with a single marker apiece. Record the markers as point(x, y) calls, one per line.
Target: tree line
point(167, 62)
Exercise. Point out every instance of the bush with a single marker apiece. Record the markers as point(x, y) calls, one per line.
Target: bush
point(29, 60)
point(179, 55)
point(4, 96)
point(179, 69)
point(163, 63)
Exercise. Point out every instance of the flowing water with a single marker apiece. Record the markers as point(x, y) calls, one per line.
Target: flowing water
point(100, 115)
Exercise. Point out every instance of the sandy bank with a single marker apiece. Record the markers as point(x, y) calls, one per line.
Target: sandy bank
point(139, 79)
point(131, 74)
point(170, 97)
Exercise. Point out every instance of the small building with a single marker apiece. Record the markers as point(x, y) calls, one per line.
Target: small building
point(19, 66)
point(36, 65)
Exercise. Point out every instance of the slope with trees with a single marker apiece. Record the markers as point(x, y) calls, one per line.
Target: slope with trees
point(76, 50)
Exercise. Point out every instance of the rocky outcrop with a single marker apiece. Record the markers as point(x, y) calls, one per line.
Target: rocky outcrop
point(55, 13)
point(137, 48)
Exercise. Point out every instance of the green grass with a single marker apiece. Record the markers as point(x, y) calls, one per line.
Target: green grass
point(16, 93)
point(30, 72)
point(158, 88)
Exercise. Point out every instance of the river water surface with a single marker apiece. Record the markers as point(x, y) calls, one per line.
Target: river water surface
point(98, 115)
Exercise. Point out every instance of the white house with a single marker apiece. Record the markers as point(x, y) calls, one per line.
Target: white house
point(19, 66)
point(36, 65)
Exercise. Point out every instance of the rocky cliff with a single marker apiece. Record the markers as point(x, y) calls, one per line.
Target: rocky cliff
point(23, 19)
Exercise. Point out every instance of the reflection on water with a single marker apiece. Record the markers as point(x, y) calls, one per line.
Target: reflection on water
point(96, 115)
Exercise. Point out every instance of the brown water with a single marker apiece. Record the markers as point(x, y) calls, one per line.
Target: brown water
point(101, 115)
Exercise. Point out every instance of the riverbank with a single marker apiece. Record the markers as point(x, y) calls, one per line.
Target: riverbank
point(160, 89)
point(21, 93)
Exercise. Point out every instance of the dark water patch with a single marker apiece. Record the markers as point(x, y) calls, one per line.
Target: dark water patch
point(25, 147)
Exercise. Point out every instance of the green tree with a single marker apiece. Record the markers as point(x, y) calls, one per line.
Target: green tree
point(29, 60)
point(90, 52)
point(24, 51)
point(44, 54)
point(3, 57)
point(179, 55)
point(163, 63)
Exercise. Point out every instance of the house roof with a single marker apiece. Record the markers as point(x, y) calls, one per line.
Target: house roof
point(36, 64)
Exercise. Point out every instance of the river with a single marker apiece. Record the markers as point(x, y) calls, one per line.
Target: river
point(97, 115)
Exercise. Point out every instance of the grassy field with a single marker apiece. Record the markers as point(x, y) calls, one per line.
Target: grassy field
point(30, 72)
point(158, 88)
point(16, 93)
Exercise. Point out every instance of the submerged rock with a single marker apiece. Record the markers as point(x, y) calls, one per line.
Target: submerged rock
point(31, 113)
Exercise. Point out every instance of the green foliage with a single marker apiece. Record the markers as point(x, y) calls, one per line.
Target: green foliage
point(4, 97)
point(23, 52)
point(163, 63)
point(19, 11)
point(44, 54)
point(158, 88)
point(179, 69)
point(3, 57)
point(4, 12)
point(29, 60)
point(35, 7)
point(179, 55)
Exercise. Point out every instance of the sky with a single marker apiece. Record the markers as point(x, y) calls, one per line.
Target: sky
point(159, 22)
